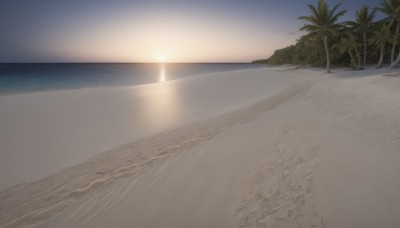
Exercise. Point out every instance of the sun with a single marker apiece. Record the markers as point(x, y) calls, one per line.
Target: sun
point(162, 58)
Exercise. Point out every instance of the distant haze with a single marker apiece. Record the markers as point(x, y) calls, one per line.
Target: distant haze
point(151, 31)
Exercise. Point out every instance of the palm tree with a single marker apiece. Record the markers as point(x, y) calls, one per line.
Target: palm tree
point(349, 44)
point(392, 9)
point(380, 38)
point(322, 22)
point(363, 23)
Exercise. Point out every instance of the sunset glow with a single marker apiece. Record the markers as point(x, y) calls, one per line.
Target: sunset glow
point(147, 31)
point(162, 58)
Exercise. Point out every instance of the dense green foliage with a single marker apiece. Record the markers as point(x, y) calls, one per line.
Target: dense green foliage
point(350, 43)
point(307, 51)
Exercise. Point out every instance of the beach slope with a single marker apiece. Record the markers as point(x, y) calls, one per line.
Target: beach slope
point(317, 150)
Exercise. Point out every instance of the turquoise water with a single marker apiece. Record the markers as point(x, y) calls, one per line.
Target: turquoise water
point(25, 78)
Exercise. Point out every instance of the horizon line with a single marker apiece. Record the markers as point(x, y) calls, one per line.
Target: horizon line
point(121, 62)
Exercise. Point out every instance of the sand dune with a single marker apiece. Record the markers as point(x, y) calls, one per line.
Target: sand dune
point(313, 150)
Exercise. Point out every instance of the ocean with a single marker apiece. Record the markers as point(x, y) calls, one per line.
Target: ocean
point(25, 78)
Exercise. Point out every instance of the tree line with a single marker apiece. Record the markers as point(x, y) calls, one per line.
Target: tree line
point(350, 43)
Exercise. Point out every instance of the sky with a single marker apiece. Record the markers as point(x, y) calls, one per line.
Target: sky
point(152, 30)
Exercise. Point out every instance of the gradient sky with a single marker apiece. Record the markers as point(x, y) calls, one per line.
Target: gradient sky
point(147, 31)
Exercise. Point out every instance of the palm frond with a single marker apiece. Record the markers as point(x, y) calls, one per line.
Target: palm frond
point(335, 18)
point(322, 19)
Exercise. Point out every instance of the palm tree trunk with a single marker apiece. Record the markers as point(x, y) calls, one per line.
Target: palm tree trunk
point(396, 34)
point(396, 62)
point(328, 60)
point(381, 57)
point(365, 48)
point(358, 59)
point(353, 62)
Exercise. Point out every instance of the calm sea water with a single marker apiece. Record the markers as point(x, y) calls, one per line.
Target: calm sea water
point(25, 78)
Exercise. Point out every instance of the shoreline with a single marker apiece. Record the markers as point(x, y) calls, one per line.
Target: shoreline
point(282, 161)
point(98, 119)
point(130, 86)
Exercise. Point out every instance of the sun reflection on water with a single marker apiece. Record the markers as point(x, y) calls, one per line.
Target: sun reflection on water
point(162, 77)
point(161, 104)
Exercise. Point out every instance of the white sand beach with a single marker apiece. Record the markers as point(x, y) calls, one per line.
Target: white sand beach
point(270, 147)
